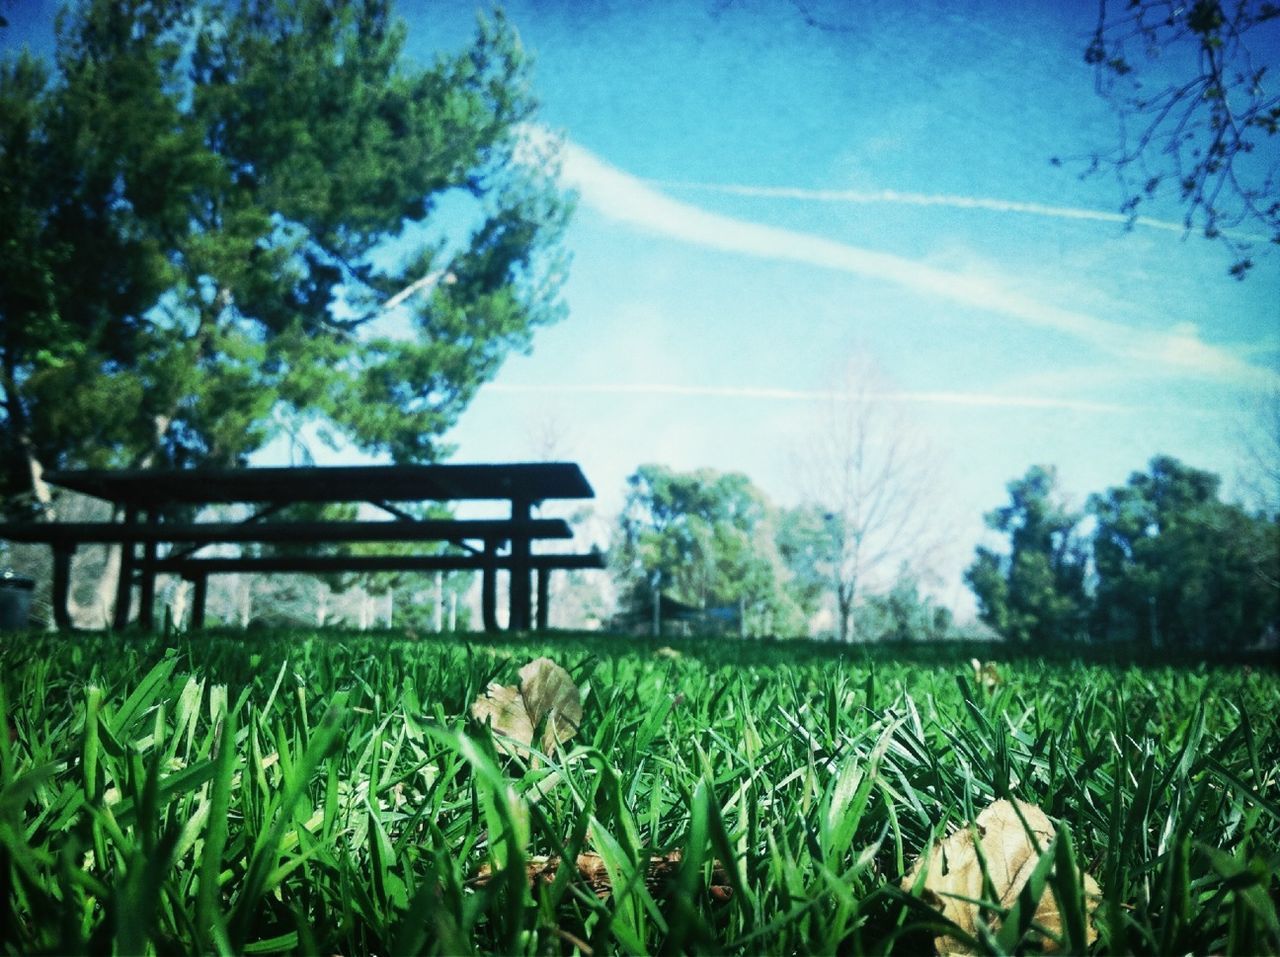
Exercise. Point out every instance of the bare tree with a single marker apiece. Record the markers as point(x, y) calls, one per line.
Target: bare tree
point(549, 437)
point(1258, 479)
point(1260, 455)
point(1207, 129)
point(578, 599)
point(872, 475)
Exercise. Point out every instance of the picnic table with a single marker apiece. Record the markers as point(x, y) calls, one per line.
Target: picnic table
point(153, 542)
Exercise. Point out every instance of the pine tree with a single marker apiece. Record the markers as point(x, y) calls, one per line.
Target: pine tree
point(210, 205)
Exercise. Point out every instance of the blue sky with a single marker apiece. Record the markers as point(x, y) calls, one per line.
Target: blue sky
point(762, 201)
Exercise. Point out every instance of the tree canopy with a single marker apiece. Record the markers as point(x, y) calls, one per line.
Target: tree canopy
point(1167, 563)
point(1177, 566)
point(226, 220)
point(710, 542)
point(707, 540)
point(1035, 590)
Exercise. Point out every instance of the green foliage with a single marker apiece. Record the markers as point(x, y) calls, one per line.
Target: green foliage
point(198, 198)
point(1172, 564)
point(904, 614)
point(328, 794)
point(705, 539)
point(807, 540)
point(709, 540)
point(1035, 592)
point(1177, 566)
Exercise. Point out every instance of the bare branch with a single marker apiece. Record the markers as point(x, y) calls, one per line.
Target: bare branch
point(426, 282)
point(873, 476)
point(1205, 130)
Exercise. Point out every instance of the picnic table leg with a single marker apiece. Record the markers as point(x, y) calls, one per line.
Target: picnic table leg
point(544, 590)
point(489, 587)
point(124, 588)
point(62, 586)
point(147, 596)
point(521, 597)
point(199, 595)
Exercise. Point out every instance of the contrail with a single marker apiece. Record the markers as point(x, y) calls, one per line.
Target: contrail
point(891, 196)
point(980, 399)
point(627, 199)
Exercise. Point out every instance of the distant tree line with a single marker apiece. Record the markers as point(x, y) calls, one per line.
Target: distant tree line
point(705, 551)
point(1160, 560)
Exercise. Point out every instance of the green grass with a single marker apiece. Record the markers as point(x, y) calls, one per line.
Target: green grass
point(327, 794)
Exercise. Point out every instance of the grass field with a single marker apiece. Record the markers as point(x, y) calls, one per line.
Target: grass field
point(784, 788)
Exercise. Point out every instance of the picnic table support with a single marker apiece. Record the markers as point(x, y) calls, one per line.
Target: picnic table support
point(199, 596)
point(62, 555)
point(521, 598)
point(124, 588)
point(489, 587)
point(544, 590)
point(147, 596)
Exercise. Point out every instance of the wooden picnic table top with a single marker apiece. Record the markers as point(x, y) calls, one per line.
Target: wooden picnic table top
point(190, 567)
point(157, 488)
point(148, 496)
point(422, 530)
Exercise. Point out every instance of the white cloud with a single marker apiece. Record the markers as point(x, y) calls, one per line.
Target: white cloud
point(628, 199)
point(978, 399)
point(987, 204)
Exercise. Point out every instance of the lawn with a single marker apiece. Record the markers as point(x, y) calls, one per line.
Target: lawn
point(332, 793)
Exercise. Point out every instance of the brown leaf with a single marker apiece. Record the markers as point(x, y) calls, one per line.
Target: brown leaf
point(954, 872)
point(986, 676)
point(541, 870)
point(546, 700)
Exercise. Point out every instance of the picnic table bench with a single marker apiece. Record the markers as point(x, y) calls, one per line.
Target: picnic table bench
point(147, 498)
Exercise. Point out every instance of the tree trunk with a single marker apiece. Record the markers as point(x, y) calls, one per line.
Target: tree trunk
point(364, 610)
point(844, 612)
point(246, 600)
point(94, 613)
point(178, 603)
point(322, 604)
point(39, 487)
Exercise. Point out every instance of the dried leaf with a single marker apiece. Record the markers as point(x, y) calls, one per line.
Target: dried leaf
point(546, 700)
point(985, 676)
point(503, 707)
point(541, 870)
point(954, 872)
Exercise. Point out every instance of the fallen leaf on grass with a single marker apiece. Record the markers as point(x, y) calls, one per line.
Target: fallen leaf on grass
point(954, 872)
point(546, 700)
point(985, 676)
point(541, 870)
